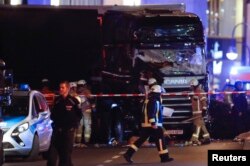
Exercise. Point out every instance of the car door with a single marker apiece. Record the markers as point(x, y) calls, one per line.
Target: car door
point(44, 126)
point(35, 119)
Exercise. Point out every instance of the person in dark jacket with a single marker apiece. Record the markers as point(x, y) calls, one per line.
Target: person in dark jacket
point(151, 123)
point(239, 108)
point(66, 115)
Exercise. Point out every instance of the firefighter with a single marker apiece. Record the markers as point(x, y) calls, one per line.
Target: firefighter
point(66, 116)
point(199, 107)
point(151, 125)
point(78, 132)
point(152, 82)
point(73, 90)
point(85, 95)
point(48, 93)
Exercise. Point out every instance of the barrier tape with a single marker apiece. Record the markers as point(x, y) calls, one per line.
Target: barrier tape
point(164, 94)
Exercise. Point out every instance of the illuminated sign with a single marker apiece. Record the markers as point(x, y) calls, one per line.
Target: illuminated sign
point(217, 67)
point(217, 55)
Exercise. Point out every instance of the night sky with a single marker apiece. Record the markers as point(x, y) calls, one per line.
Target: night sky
point(49, 42)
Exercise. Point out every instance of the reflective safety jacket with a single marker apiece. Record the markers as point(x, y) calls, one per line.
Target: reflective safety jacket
point(199, 102)
point(152, 112)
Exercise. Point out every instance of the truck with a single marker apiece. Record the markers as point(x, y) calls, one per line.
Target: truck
point(115, 47)
point(166, 42)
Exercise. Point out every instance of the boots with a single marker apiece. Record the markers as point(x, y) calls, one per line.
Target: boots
point(165, 158)
point(206, 141)
point(128, 155)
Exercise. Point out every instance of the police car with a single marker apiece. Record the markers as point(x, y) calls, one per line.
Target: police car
point(26, 125)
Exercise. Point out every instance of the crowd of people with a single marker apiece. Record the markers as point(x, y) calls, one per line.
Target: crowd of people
point(230, 112)
point(80, 91)
point(75, 104)
point(71, 116)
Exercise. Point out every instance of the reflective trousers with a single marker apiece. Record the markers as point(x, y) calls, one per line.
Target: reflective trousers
point(199, 125)
point(158, 137)
point(85, 124)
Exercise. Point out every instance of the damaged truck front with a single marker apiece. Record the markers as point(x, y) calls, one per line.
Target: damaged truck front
point(169, 44)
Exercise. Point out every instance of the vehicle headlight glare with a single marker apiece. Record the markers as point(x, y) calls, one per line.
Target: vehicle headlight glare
point(22, 127)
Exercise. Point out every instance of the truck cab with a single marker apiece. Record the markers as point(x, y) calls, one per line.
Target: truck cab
point(167, 43)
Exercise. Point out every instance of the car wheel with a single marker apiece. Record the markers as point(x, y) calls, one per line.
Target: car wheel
point(34, 153)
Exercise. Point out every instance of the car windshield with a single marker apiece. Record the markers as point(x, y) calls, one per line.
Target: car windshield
point(19, 107)
point(186, 61)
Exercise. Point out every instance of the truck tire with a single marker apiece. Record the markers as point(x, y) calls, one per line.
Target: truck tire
point(34, 153)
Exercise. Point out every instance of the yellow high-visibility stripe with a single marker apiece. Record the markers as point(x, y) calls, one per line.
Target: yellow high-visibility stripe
point(151, 120)
point(149, 124)
point(157, 112)
point(197, 112)
point(206, 135)
point(160, 144)
point(203, 98)
point(145, 111)
point(134, 147)
point(198, 105)
point(163, 151)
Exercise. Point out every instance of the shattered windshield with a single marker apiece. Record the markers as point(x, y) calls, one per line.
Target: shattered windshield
point(189, 61)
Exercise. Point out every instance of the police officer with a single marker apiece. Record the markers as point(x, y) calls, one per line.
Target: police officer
point(199, 107)
point(239, 108)
point(151, 126)
point(65, 115)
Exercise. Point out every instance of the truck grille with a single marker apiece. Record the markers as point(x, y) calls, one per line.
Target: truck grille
point(181, 104)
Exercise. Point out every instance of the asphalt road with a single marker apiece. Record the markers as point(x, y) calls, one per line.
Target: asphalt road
point(107, 156)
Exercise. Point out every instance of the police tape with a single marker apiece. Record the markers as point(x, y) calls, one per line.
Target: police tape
point(174, 94)
point(164, 94)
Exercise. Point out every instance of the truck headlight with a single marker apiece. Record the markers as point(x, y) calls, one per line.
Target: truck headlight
point(20, 129)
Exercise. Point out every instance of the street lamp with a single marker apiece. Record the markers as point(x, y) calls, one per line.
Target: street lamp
point(232, 51)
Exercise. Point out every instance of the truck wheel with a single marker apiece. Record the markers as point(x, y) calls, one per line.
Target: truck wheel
point(34, 153)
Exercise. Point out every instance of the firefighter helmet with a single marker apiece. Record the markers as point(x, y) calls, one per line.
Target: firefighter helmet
point(72, 84)
point(194, 82)
point(156, 89)
point(152, 81)
point(81, 82)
